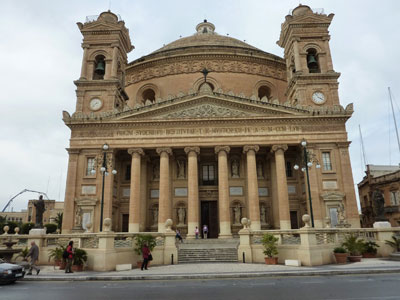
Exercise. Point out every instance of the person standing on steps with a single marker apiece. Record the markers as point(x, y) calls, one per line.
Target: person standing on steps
point(70, 250)
point(178, 236)
point(196, 232)
point(205, 231)
point(34, 254)
point(145, 254)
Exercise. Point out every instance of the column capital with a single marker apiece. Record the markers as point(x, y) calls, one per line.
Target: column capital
point(192, 149)
point(222, 148)
point(279, 147)
point(73, 151)
point(165, 149)
point(139, 151)
point(343, 144)
point(247, 148)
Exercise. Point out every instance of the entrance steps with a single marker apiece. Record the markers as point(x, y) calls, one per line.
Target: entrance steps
point(208, 250)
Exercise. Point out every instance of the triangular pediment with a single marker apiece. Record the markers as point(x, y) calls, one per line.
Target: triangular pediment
point(101, 26)
point(312, 19)
point(209, 106)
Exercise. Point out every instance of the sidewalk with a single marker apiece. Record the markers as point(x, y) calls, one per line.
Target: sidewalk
point(220, 270)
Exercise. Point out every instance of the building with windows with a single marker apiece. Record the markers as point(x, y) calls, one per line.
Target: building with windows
point(384, 180)
point(15, 216)
point(207, 130)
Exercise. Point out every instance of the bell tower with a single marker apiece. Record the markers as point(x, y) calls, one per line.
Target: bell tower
point(310, 74)
point(106, 44)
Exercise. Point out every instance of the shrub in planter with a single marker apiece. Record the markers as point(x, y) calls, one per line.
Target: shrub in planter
point(56, 254)
point(80, 257)
point(270, 244)
point(142, 239)
point(340, 254)
point(51, 228)
point(26, 227)
point(370, 249)
point(394, 243)
point(355, 247)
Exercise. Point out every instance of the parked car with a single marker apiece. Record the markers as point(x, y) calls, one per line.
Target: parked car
point(10, 273)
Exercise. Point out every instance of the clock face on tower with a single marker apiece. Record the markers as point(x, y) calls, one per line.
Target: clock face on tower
point(95, 104)
point(318, 98)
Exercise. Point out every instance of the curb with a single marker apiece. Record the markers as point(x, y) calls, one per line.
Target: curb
point(211, 276)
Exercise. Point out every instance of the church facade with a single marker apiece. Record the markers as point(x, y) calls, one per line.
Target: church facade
point(208, 130)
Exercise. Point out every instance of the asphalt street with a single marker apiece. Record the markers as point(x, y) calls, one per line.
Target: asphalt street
point(351, 287)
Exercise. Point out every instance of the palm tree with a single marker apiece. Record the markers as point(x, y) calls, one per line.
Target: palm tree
point(58, 219)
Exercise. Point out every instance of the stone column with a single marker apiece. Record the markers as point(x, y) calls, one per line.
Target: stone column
point(274, 194)
point(134, 201)
point(84, 62)
point(318, 213)
point(109, 188)
point(223, 192)
point(348, 185)
point(164, 200)
point(193, 190)
point(329, 64)
point(252, 186)
point(281, 184)
point(70, 191)
point(114, 65)
point(297, 61)
point(143, 195)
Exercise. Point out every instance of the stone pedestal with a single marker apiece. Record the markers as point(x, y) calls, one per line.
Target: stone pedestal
point(37, 231)
point(382, 224)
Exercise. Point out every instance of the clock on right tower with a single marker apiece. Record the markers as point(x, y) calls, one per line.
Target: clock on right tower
point(310, 74)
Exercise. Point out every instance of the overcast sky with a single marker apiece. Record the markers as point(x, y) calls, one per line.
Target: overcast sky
point(41, 56)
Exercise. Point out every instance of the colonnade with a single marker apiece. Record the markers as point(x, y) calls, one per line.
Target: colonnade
point(193, 216)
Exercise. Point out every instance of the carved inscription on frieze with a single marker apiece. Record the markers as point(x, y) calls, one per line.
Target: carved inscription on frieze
point(204, 131)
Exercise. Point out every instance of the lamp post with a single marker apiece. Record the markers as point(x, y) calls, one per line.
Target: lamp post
point(104, 173)
point(308, 162)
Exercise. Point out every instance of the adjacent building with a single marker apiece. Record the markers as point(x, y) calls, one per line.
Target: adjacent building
point(386, 181)
point(53, 208)
point(208, 130)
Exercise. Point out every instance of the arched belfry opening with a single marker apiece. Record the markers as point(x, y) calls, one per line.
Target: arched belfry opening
point(99, 67)
point(149, 94)
point(264, 91)
point(312, 61)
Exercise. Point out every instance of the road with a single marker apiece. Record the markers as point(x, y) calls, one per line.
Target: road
point(352, 287)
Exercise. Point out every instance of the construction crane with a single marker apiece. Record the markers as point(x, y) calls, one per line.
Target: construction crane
point(23, 191)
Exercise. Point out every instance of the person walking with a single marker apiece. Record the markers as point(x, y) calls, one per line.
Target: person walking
point(34, 254)
point(145, 254)
point(196, 232)
point(70, 250)
point(205, 231)
point(178, 236)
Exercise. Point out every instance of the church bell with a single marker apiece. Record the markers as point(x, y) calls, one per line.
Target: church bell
point(100, 68)
point(312, 62)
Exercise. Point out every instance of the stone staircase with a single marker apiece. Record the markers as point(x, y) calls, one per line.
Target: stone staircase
point(208, 250)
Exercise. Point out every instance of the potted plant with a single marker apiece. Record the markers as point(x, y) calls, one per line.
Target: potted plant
point(140, 240)
point(270, 243)
point(394, 243)
point(354, 246)
point(340, 255)
point(370, 249)
point(80, 258)
point(56, 255)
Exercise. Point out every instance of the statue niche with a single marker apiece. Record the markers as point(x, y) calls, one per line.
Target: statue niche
point(235, 168)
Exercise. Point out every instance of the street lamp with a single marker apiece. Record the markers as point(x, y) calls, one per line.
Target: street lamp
point(103, 170)
point(309, 158)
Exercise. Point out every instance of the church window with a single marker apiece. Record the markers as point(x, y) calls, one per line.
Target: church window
point(99, 67)
point(394, 197)
point(312, 61)
point(289, 171)
point(208, 175)
point(128, 172)
point(90, 166)
point(264, 91)
point(149, 94)
point(326, 160)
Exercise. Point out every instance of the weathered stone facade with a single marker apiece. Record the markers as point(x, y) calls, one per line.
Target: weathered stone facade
point(207, 130)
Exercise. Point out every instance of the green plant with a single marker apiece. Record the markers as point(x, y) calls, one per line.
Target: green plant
point(142, 239)
point(59, 219)
point(26, 227)
point(51, 228)
point(80, 257)
point(395, 243)
point(270, 244)
point(56, 253)
point(370, 247)
point(353, 244)
point(339, 250)
point(23, 254)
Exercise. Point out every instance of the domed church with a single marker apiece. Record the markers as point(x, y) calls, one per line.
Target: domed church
point(208, 130)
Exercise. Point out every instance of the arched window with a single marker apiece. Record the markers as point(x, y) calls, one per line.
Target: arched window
point(148, 94)
point(312, 61)
point(99, 67)
point(264, 91)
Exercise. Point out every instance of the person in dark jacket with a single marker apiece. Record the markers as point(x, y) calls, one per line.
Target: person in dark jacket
point(34, 254)
point(70, 250)
point(145, 254)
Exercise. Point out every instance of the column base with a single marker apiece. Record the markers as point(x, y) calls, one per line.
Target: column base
point(225, 230)
point(133, 227)
point(285, 224)
point(225, 236)
point(190, 237)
